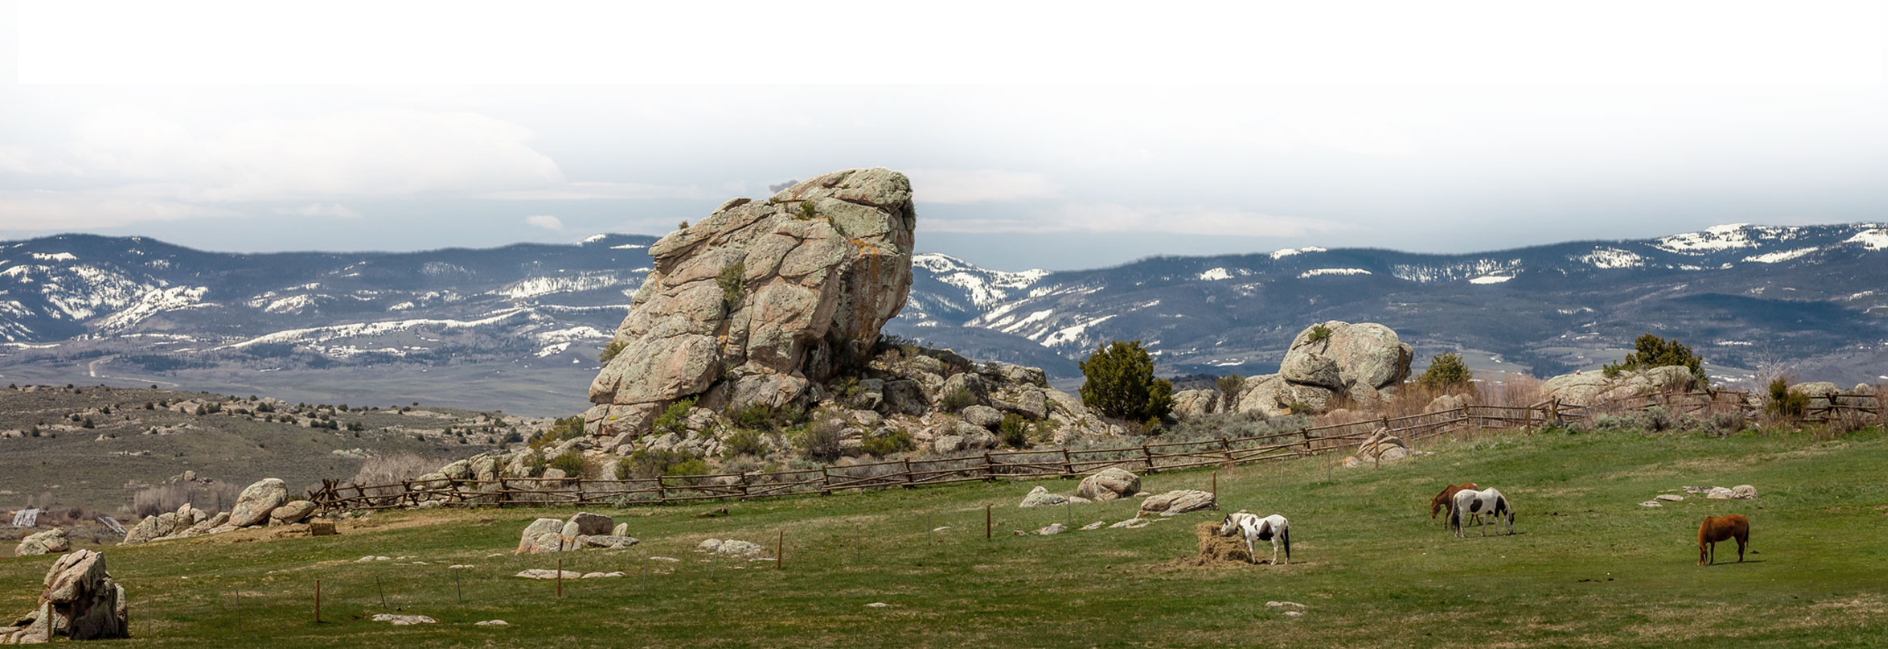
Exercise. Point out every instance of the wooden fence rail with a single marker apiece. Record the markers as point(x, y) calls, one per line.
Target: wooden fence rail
point(1151, 457)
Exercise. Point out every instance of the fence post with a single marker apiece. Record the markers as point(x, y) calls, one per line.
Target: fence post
point(1527, 420)
point(580, 490)
point(1150, 458)
point(662, 495)
point(317, 601)
point(1225, 447)
point(989, 468)
point(743, 486)
point(1306, 432)
point(825, 481)
point(909, 479)
point(504, 492)
point(780, 551)
point(986, 521)
point(1068, 463)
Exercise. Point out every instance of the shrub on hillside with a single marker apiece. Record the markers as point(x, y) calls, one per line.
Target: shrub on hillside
point(674, 420)
point(571, 463)
point(648, 463)
point(1120, 382)
point(744, 441)
point(733, 285)
point(887, 444)
point(1446, 372)
point(563, 429)
point(958, 400)
point(611, 350)
point(1229, 387)
point(820, 441)
point(1651, 351)
point(1014, 431)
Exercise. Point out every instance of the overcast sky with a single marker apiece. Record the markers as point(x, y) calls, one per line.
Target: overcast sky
point(1089, 139)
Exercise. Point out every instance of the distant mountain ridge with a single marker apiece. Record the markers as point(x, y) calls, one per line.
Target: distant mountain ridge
point(132, 307)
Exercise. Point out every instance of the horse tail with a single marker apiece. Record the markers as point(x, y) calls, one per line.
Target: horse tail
point(1287, 539)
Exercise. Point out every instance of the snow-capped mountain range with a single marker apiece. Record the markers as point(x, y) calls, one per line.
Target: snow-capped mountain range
point(1813, 297)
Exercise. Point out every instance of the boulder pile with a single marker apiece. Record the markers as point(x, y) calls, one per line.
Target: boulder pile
point(1591, 388)
point(583, 530)
point(80, 602)
point(1379, 449)
point(263, 503)
point(1325, 361)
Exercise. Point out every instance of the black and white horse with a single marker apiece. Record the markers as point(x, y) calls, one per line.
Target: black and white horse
point(1487, 503)
point(1272, 528)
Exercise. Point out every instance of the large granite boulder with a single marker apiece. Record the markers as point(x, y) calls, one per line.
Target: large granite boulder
point(256, 502)
point(1357, 358)
point(1190, 404)
point(51, 541)
point(80, 602)
point(761, 300)
point(1109, 484)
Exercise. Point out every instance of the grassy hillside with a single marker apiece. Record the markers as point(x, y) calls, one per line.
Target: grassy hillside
point(1590, 567)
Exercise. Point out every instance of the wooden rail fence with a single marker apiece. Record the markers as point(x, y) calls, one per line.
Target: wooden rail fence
point(1150, 457)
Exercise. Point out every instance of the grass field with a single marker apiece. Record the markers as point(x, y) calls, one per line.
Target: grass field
point(1589, 567)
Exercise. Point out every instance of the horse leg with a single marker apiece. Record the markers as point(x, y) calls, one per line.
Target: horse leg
point(1740, 549)
point(1252, 556)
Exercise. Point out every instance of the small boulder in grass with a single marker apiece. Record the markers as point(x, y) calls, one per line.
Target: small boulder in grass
point(404, 620)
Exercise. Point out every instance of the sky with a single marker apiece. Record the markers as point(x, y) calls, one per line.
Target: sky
point(1056, 135)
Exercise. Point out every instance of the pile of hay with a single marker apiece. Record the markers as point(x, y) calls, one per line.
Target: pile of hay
point(1216, 551)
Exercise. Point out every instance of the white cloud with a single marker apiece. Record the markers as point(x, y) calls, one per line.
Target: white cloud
point(380, 152)
point(545, 221)
point(600, 190)
point(966, 186)
point(39, 210)
point(1117, 218)
point(335, 210)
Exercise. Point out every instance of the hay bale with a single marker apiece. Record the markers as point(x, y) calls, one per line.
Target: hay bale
point(1216, 549)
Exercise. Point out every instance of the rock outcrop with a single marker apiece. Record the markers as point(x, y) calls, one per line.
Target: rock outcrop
point(1590, 388)
point(761, 300)
point(1354, 360)
point(257, 501)
point(80, 602)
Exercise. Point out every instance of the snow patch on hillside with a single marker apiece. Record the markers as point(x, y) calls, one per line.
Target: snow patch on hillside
point(1491, 279)
point(333, 332)
point(1453, 272)
point(1072, 335)
point(1215, 274)
point(1712, 239)
point(1774, 257)
point(57, 256)
point(290, 304)
point(1609, 258)
point(152, 303)
point(1876, 239)
point(986, 287)
point(541, 286)
point(1318, 272)
point(629, 246)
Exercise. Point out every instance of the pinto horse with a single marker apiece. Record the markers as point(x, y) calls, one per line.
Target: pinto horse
point(1272, 528)
point(1487, 502)
point(1446, 499)
point(1721, 528)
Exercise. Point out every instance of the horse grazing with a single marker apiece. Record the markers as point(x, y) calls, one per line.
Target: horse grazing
point(1721, 528)
point(1446, 499)
point(1485, 503)
point(1272, 528)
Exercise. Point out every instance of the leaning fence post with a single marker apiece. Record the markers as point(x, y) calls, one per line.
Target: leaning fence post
point(908, 477)
point(560, 578)
point(1150, 458)
point(825, 481)
point(989, 468)
point(1068, 462)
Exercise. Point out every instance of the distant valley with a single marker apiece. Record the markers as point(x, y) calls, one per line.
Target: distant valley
point(519, 328)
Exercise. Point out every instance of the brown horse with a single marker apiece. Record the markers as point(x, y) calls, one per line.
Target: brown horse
point(1447, 498)
point(1721, 528)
